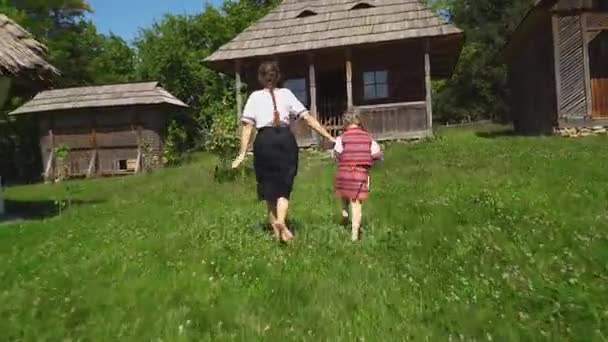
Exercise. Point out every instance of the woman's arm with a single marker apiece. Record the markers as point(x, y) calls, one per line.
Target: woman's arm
point(246, 131)
point(314, 124)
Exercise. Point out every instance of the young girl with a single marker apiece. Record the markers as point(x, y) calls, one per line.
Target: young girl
point(355, 152)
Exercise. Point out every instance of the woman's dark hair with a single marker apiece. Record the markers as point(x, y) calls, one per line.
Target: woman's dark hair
point(269, 74)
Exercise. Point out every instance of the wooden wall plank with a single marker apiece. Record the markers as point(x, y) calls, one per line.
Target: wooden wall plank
point(573, 102)
point(587, 75)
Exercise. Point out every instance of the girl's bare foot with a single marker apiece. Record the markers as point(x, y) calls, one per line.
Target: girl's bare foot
point(345, 221)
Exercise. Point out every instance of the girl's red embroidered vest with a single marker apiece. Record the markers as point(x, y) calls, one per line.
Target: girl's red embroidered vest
point(357, 148)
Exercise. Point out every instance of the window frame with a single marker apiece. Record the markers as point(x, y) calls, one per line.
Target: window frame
point(300, 93)
point(377, 85)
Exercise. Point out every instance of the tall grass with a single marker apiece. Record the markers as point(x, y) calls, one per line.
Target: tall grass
point(467, 237)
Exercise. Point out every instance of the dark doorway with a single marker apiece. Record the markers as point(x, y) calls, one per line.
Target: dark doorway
point(598, 66)
point(331, 97)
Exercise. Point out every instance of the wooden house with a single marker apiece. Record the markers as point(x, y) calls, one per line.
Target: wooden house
point(104, 130)
point(558, 66)
point(376, 56)
point(21, 58)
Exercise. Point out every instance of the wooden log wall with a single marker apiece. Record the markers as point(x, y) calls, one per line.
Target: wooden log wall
point(99, 141)
point(396, 121)
point(406, 72)
point(568, 5)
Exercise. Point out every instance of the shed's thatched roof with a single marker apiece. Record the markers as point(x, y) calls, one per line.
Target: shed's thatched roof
point(334, 23)
point(20, 53)
point(131, 94)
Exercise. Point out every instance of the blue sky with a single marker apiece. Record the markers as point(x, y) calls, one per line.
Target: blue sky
point(125, 17)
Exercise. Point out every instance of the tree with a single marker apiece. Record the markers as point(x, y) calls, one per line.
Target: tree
point(172, 52)
point(477, 88)
point(115, 61)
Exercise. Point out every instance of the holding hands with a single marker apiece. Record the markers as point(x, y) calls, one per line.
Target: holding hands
point(238, 160)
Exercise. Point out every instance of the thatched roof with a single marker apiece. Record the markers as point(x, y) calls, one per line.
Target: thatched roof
point(302, 25)
point(131, 94)
point(20, 53)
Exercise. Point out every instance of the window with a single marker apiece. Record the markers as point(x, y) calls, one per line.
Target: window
point(122, 165)
point(375, 85)
point(306, 13)
point(362, 5)
point(127, 165)
point(298, 88)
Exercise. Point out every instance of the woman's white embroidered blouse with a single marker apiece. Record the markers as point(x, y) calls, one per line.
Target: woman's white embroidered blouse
point(259, 110)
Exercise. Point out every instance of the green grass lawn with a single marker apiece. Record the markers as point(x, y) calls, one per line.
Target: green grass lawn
point(467, 237)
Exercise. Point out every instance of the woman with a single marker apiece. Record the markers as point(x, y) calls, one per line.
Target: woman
point(275, 151)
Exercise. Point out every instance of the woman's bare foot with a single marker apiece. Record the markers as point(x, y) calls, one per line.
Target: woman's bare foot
point(276, 232)
point(286, 234)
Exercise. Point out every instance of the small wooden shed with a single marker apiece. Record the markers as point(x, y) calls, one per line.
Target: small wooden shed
point(558, 66)
point(376, 56)
point(106, 130)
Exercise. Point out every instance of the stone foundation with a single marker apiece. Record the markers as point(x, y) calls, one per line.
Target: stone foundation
point(576, 132)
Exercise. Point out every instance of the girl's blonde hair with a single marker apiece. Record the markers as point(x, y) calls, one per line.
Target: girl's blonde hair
point(351, 117)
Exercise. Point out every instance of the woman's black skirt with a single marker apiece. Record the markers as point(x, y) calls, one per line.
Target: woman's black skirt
point(275, 160)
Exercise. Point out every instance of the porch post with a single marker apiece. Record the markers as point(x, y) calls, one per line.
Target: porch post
point(140, 148)
point(93, 139)
point(239, 96)
point(349, 78)
point(312, 84)
point(429, 89)
point(49, 170)
point(312, 80)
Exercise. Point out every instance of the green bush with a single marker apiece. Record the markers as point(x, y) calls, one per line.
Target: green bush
point(177, 137)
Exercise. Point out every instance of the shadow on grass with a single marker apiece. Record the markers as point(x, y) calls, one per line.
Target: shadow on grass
point(507, 133)
point(264, 227)
point(38, 210)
